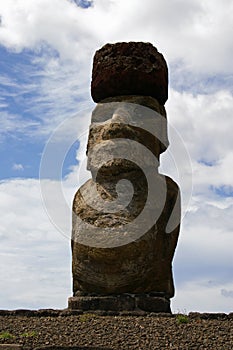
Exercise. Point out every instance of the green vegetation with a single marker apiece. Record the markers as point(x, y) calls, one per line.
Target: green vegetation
point(6, 335)
point(86, 317)
point(28, 334)
point(182, 318)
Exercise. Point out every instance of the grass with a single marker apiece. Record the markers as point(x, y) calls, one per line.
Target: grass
point(182, 318)
point(6, 335)
point(28, 334)
point(86, 317)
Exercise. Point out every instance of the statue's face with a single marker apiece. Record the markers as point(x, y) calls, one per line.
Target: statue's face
point(123, 134)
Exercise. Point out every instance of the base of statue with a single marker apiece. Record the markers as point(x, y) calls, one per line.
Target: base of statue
point(152, 302)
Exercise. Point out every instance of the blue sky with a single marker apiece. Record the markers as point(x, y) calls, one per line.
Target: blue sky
point(18, 153)
point(46, 54)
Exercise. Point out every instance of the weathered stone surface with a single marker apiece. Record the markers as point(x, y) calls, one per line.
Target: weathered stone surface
point(110, 303)
point(141, 266)
point(134, 68)
point(137, 118)
point(122, 302)
point(147, 101)
point(153, 304)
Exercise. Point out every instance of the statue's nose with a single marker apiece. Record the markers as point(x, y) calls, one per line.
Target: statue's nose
point(121, 116)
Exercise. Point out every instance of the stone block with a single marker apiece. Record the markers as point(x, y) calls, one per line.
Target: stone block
point(134, 68)
point(121, 303)
point(153, 304)
point(109, 303)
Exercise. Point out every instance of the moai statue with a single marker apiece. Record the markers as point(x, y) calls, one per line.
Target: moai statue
point(126, 217)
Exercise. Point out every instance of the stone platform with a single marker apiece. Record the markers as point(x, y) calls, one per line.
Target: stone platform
point(153, 302)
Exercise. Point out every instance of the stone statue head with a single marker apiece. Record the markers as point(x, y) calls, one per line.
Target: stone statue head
point(125, 130)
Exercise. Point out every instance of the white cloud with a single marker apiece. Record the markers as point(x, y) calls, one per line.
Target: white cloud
point(45, 91)
point(227, 293)
point(35, 257)
point(204, 248)
point(17, 166)
point(202, 296)
point(62, 92)
point(182, 31)
point(203, 122)
point(11, 123)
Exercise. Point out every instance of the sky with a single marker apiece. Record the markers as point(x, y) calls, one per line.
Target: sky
point(46, 50)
